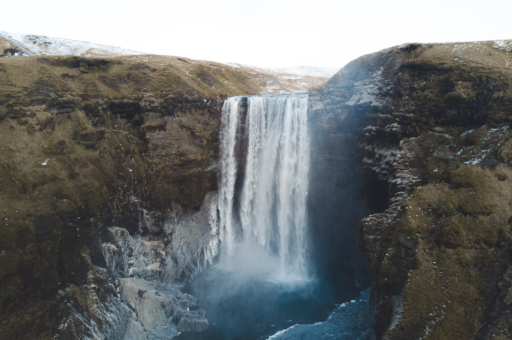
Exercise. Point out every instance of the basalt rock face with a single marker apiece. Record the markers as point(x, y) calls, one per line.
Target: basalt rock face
point(428, 126)
point(104, 159)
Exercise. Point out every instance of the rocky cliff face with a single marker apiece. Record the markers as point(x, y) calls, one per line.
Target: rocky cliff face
point(431, 123)
point(104, 169)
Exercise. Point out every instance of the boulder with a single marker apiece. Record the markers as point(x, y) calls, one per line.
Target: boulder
point(193, 322)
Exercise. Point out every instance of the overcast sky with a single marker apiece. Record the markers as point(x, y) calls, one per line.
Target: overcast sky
point(276, 33)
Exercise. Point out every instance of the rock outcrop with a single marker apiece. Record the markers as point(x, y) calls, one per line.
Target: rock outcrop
point(431, 123)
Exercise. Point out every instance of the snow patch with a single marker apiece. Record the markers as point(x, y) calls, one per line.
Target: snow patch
point(323, 72)
point(366, 91)
point(31, 44)
point(504, 45)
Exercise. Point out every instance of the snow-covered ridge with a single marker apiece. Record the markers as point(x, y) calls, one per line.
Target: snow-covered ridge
point(272, 80)
point(313, 71)
point(41, 45)
point(32, 44)
point(269, 80)
point(324, 72)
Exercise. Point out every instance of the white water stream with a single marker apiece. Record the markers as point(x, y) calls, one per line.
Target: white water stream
point(265, 205)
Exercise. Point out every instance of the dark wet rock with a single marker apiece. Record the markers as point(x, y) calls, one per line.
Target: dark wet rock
point(193, 322)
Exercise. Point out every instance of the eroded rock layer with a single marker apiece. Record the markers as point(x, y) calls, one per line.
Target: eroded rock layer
point(431, 124)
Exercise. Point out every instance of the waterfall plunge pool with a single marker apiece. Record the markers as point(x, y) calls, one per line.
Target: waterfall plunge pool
point(264, 278)
point(255, 307)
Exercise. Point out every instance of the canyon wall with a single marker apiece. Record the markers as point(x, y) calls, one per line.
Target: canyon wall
point(106, 163)
point(428, 126)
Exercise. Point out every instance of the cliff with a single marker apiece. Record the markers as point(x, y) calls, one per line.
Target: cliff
point(428, 127)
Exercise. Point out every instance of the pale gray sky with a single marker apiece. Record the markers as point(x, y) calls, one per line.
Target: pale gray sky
point(276, 33)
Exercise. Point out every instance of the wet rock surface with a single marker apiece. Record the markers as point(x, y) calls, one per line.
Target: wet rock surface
point(193, 322)
point(159, 312)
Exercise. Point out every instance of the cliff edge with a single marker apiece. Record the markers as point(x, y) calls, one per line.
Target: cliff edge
point(429, 126)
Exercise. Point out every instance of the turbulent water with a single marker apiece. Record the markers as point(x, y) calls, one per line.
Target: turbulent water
point(265, 162)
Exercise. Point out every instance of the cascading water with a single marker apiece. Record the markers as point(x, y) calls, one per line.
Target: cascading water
point(264, 179)
point(262, 282)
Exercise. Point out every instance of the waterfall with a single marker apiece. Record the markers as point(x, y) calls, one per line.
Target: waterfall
point(264, 179)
